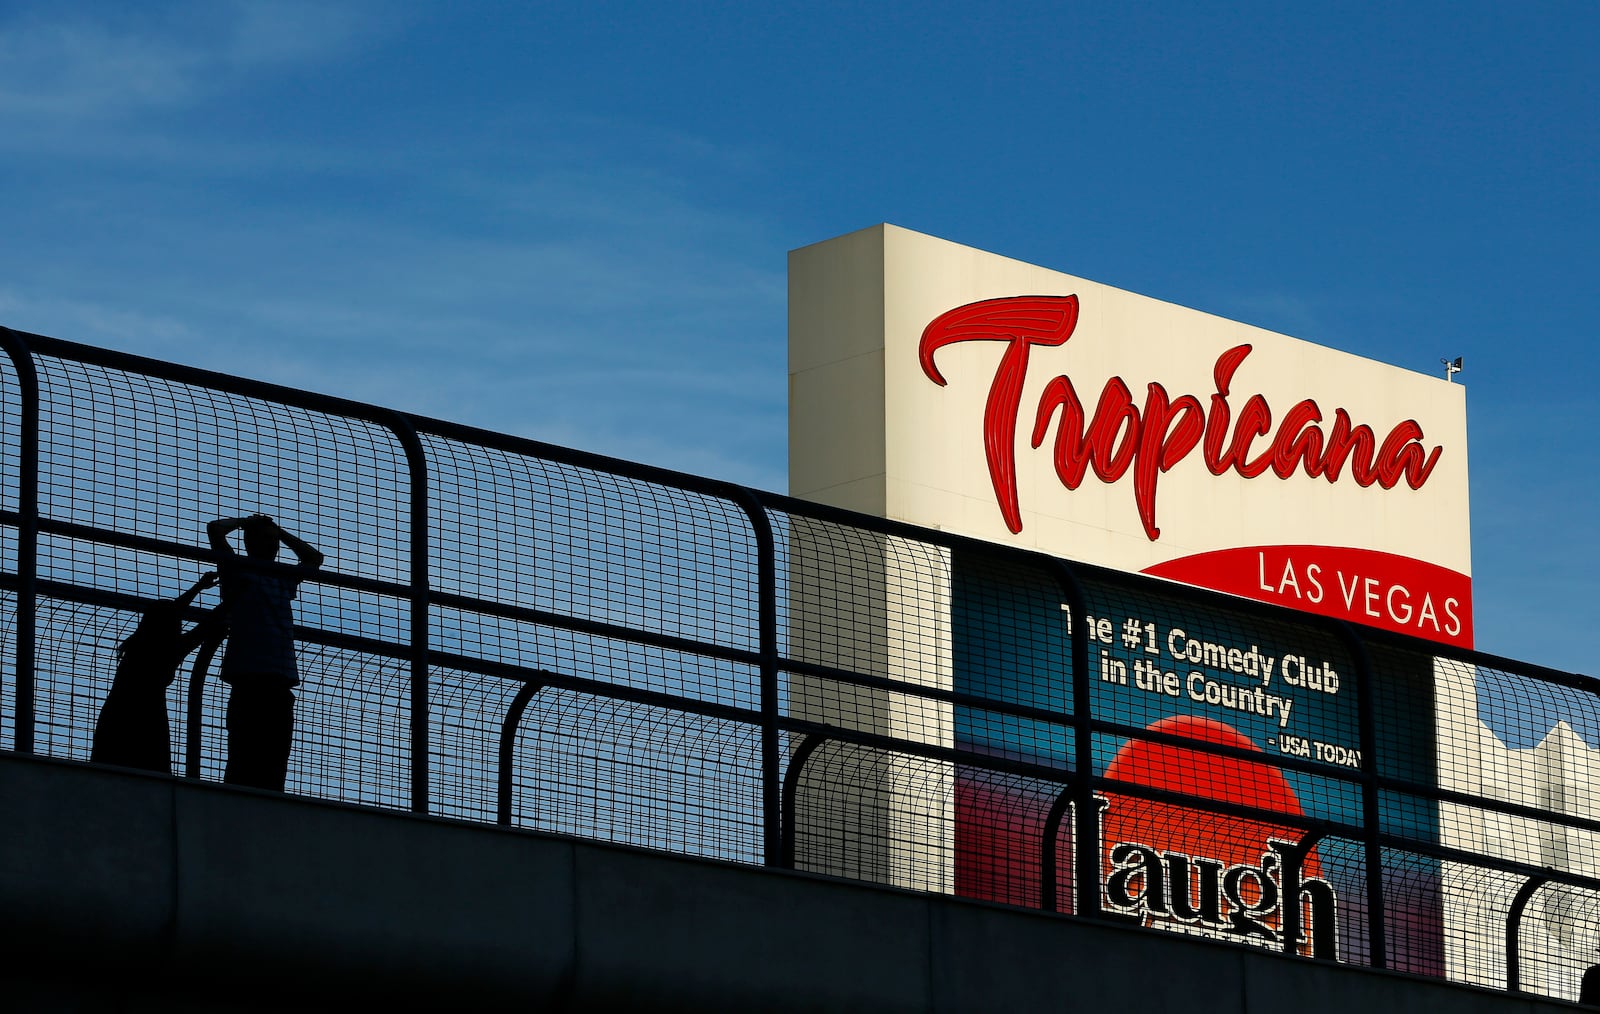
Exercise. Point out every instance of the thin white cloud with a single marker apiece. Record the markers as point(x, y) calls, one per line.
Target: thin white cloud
point(261, 33)
point(66, 63)
point(156, 335)
point(79, 70)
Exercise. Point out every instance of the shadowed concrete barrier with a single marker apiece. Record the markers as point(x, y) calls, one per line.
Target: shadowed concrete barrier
point(146, 893)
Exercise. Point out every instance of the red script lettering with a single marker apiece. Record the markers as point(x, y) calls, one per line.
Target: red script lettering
point(1153, 439)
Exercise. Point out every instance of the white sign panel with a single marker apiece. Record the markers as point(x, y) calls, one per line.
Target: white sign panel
point(955, 389)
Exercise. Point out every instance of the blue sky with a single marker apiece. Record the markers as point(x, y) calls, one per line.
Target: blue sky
point(570, 221)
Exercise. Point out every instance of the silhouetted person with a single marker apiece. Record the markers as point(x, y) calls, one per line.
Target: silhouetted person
point(133, 730)
point(1589, 992)
point(259, 662)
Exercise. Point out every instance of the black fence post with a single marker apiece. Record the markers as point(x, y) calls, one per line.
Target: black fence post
point(508, 747)
point(767, 607)
point(1085, 810)
point(1292, 887)
point(1371, 804)
point(421, 520)
point(194, 727)
point(1519, 904)
point(791, 790)
point(1048, 853)
point(27, 535)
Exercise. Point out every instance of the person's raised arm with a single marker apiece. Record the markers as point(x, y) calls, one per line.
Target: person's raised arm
point(219, 530)
point(190, 639)
point(303, 551)
point(207, 580)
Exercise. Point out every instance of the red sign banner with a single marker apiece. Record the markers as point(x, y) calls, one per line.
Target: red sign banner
point(1361, 585)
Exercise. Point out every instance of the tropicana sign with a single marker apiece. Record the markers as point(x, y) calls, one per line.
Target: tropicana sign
point(954, 389)
point(1154, 440)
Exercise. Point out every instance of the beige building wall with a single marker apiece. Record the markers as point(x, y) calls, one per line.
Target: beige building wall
point(860, 602)
point(878, 606)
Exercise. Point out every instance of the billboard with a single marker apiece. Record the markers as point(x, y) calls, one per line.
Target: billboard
point(955, 389)
point(1203, 828)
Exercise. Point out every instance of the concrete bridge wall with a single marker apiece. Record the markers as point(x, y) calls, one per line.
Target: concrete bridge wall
point(130, 892)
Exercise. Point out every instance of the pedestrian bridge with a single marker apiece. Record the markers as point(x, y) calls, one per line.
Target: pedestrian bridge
point(137, 892)
point(585, 732)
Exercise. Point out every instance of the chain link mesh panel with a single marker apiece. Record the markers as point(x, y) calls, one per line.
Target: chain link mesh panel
point(139, 455)
point(471, 716)
point(873, 814)
point(515, 530)
point(1007, 846)
point(638, 774)
point(8, 664)
point(74, 662)
point(615, 660)
point(11, 449)
point(10, 441)
point(1413, 912)
point(1558, 939)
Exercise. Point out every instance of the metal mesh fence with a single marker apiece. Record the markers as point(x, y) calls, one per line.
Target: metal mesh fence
point(8, 655)
point(128, 454)
point(637, 774)
point(505, 632)
point(513, 530)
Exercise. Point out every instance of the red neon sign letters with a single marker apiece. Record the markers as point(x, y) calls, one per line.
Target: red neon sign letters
point(1152, 440)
